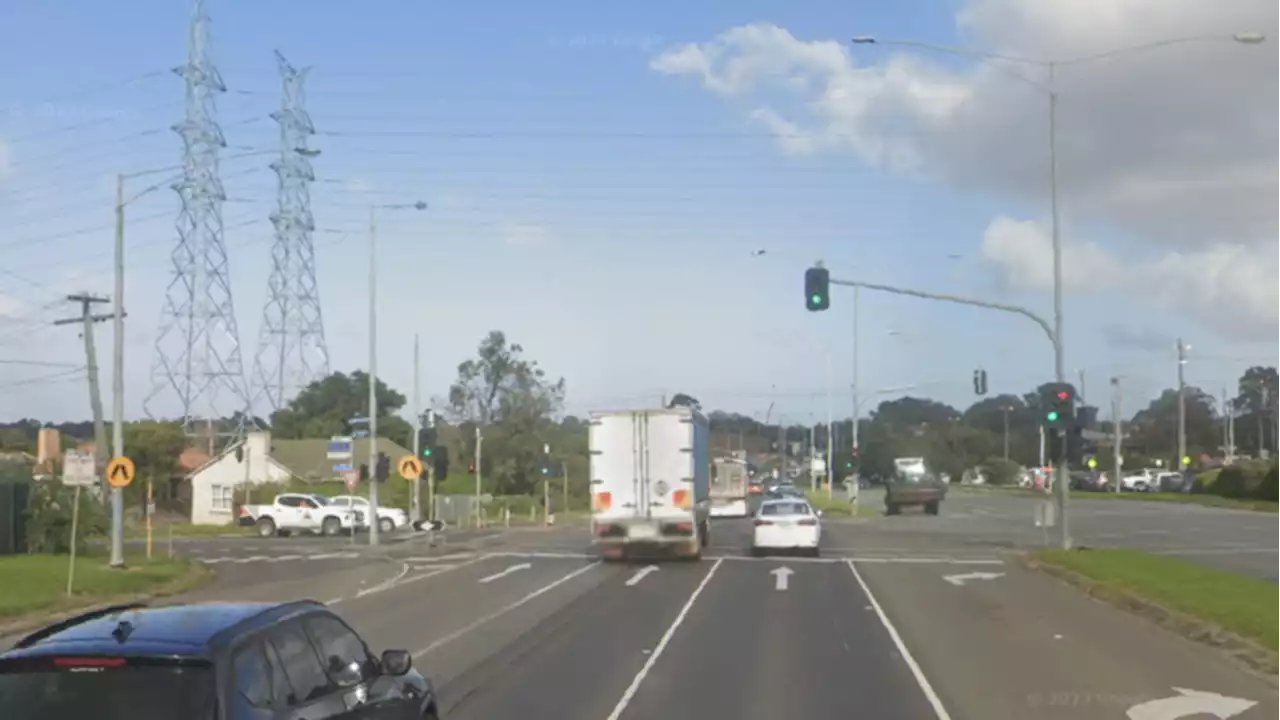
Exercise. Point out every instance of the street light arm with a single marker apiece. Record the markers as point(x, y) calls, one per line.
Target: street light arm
point(970, 53)
point(1243, 38)
point(990, 305)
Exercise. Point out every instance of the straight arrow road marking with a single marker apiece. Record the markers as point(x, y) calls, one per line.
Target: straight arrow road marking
point(640, 575)
point(781, 577)
point(504, 573)
point(959, 580)
point(1189, 703)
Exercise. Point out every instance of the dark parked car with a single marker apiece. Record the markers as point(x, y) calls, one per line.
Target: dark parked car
point(209, 661)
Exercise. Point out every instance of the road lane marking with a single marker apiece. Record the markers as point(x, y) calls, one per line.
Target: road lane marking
point(504, 573)
point(781, 577)
point(640, 575)
point(907, 657)
point(662, 645)
point(503, 611)
point(959, 580)
point(404, 570)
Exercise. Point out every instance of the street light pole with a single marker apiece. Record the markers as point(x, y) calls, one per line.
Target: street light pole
point(373, 376)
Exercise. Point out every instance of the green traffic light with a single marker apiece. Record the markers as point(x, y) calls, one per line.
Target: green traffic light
point(426, 452)
point(1053, 416)
point(815, 299)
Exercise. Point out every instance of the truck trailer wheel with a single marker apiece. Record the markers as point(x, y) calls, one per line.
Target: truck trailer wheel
point(704, 534)
point(932, 508)
point(892, 509)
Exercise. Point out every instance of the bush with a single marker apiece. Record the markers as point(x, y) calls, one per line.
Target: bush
point(1205, 482)
point(1000, 471)
point(1249, 480)
point(1267, 489)
point(49, 513)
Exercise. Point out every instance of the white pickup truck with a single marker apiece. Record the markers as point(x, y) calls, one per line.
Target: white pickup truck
point(299, 512)
point(649, 482)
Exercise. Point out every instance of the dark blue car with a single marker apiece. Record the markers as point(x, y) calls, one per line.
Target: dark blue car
point(209, 661)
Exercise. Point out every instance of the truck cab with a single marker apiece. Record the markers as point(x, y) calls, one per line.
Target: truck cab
point(913, 483)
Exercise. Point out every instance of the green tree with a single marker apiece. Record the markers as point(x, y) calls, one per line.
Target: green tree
point(512, 400)
point(154, 447)
point(323, 406)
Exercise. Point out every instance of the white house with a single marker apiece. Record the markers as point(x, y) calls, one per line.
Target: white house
point(240, 467)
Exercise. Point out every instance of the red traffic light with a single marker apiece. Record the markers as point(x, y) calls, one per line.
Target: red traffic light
point(1063, 395)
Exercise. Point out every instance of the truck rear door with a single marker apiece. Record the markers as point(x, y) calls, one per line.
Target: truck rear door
point(669, 464)
point(616, 466)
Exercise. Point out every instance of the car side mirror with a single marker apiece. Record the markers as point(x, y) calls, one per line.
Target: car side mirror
point(818, 513)
point(396, 662)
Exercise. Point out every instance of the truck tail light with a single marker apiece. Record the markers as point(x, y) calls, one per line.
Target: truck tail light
point(681, 499)
point(602, 501)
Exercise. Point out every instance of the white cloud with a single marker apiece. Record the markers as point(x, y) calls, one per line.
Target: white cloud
point(518, 235)
point(6, 167)
point(11, 308)
point(1231, 288)
point(1175, 147)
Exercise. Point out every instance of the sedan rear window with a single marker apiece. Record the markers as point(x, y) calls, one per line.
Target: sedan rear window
point(785, 508)
point(105, 689)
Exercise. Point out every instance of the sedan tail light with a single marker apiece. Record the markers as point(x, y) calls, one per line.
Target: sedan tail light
point(808, 521)
point(762, 522)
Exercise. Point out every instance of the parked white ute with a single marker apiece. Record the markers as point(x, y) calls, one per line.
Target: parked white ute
point(786, 525)
point(389, 518)
point(299, 512)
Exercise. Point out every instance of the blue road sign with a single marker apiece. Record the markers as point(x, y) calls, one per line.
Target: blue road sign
point(342, 467)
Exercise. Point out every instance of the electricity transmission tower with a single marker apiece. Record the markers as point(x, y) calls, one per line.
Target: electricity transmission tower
point(291, 347)
point(197, 354)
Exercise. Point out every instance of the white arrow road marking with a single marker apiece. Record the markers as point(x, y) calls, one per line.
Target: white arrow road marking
point(781, 576)
point(1188, 703)
point(959, 580)
point(504, 573)
point(640, 575)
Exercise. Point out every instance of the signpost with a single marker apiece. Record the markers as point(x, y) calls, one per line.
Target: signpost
point(79, 470)
point(341, 452)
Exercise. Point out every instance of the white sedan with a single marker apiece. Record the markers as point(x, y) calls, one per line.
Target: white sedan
point(786, 524)
point(389, 518)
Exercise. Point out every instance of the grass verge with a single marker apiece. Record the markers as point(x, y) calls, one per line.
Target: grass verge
point(1214, 606)
point(841, 507)
point(161, 531)
point(37, 584)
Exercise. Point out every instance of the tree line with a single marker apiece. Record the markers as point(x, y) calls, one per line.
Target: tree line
point(518, 408)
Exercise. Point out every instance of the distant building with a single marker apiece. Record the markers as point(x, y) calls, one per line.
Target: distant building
point(48, 446)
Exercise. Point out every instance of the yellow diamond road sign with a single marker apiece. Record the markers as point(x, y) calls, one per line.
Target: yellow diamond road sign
point(120, 471)
point(410, 467)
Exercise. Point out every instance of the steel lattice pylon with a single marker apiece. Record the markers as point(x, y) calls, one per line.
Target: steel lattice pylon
point(291, 349)
point(197, 353)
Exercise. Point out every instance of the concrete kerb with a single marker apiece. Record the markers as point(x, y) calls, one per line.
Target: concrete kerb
point(1253, 657)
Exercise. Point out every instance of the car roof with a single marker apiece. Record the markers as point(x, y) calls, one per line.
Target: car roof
point(190, 630)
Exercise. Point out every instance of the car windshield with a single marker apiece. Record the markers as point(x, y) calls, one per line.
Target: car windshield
point(784, 508)
point(42, 691)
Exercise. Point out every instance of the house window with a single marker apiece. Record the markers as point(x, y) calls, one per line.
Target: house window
point(221, 498)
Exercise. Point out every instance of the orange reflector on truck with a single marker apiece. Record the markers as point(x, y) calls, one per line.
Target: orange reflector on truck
point(602, 501)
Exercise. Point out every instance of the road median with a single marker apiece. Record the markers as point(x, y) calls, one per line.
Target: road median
point(34, 591)
point(1234, 613)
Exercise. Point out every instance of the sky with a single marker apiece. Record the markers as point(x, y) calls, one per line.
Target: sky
point(601, 179)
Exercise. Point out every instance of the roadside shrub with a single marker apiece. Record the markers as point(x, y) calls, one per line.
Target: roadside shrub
point(1242, 481)
point(1267, 489)
point(1000, 471)
point(49, 518)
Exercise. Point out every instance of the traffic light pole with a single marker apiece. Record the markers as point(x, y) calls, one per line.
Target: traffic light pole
point(416, 497)
point(1060, 475)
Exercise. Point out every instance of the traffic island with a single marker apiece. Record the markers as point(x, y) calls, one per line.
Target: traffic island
point(1231, 612)
point(34, 591)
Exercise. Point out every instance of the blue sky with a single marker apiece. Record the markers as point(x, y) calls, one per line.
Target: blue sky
point(599, 212)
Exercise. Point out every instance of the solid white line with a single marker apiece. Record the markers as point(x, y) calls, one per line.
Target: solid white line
point(907, 657)
point(495, 615)
point(662, 645)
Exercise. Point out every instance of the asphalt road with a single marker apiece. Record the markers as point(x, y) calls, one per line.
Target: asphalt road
point(533, 630)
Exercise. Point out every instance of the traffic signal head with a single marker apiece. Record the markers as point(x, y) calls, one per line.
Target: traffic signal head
point(1059, 403)
point(471, 468)
point(440, 463)
point(426, 451)
point(382, 470)
point(817, 289)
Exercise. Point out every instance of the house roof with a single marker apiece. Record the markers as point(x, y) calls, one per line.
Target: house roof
point(308, 459)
